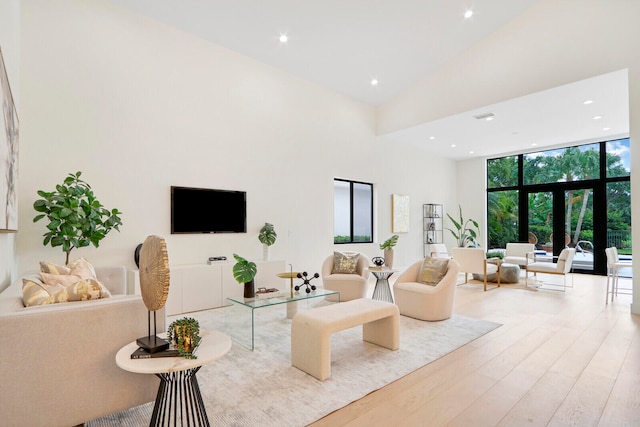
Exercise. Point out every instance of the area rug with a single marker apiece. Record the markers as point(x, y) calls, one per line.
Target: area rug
point(261, 388)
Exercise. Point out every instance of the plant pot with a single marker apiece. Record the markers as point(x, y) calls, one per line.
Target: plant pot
point(180, 332)
point(249, 291)
point(388, 258)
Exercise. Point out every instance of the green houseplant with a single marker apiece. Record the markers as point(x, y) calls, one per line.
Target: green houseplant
point(76, 217)
point(245, 271)
point(387, 246)
point(464, 232)
point(267, 237)
point(185, 335)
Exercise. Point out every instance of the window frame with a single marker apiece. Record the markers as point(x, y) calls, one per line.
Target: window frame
point(351, 210)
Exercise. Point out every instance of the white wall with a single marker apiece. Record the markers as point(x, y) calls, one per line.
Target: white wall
point(138, 106)
point(10, 44)
point(551, 44)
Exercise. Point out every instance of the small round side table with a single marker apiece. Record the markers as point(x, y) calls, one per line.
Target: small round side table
point(382, 291)
point(178, 397)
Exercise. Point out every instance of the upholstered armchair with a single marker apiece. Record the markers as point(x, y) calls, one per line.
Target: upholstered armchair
point(561, 267)
point(438, 250)
point(519, 253)
point(350, 285)
point(422, 301)
point(474, 260)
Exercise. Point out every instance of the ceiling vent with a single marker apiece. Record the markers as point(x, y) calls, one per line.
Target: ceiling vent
point(484, 116)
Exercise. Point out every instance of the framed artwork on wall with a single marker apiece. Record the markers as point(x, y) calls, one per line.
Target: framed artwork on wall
point(400, 213)
point(8, 155)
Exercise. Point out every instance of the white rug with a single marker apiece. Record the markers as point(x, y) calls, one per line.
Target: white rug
point(261, 388)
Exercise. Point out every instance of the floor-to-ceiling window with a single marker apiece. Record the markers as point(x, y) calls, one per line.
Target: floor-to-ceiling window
point(556, 198)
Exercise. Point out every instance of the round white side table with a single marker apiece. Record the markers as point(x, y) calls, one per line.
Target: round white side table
point(178, 395)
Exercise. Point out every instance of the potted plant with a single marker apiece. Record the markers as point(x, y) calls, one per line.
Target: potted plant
point(76, 217)
point(184, 335)
point(244, 272)
point(464, 233)
point(387, 247)
point(267, 237)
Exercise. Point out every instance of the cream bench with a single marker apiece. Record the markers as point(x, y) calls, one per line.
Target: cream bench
point(311, 331)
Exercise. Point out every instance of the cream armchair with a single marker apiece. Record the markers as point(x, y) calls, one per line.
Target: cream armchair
point(350, 286)
point(562, 267)
point(474, 260)
point(519, 253)
point(425, 302)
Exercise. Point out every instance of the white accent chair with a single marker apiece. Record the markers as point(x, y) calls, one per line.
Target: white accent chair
point(438, 250)
point(547, 266)
point(474, 260)
point(350, 286)
point(613, 270)
point(425, 302)
point(518, 253)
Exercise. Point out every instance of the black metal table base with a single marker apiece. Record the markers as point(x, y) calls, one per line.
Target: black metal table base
point(382, 291)
point(179, 402)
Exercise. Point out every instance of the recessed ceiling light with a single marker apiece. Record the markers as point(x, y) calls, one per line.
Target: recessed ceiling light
point(374, 82)
point(453, 145)
point(533, 144)
point(283, 38)
point(432, 137)
point(468, 14)
point(597, 117)
point(470, 152)
point(606, 129)
point(489, 119)
point(588, 101)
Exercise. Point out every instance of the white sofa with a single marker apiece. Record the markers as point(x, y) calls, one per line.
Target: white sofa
point(57, 362)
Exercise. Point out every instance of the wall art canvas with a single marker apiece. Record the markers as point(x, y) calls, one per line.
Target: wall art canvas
point(8, 155)
point(400, 213)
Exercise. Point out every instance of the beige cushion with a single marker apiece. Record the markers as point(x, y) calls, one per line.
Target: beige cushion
point(75, 282)
point(433, 270)
point(345, 262)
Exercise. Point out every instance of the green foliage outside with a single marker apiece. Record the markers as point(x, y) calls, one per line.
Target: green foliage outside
point(564, 165)
point(356, 239)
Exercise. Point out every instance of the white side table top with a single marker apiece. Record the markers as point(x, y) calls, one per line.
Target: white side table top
point(213, 346)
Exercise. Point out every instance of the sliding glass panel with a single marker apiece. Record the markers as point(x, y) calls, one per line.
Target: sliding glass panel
point(579, 226)
point(362, 212)
point(503, 218)
point(541, 220)
point(619, 221)
point(341, 211)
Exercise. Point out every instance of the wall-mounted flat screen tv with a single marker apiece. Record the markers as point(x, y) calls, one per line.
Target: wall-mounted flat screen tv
point(205, 210)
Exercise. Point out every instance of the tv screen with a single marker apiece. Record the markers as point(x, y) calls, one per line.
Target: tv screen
point(204, 210)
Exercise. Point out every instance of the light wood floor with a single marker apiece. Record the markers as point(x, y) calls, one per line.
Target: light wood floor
point(560, 359)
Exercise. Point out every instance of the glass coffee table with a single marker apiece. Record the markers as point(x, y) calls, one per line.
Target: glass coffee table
point(240, 316)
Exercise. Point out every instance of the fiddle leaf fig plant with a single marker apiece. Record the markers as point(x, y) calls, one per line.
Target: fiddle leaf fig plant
point(76, 218)
point(267, 234)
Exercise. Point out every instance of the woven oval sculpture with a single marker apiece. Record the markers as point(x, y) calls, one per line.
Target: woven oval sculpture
point(154, 272)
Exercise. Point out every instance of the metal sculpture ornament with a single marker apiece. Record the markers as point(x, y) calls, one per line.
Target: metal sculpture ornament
point(306, 282)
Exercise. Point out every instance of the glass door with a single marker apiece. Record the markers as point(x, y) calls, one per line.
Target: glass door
point(578, 223)
point(540, 231)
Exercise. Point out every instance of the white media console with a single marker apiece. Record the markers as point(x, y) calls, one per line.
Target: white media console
point(197, 287)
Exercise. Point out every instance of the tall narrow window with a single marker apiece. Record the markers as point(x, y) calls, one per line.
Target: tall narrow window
point(352, 211)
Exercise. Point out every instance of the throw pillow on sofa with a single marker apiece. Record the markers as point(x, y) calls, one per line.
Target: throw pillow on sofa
point(345, 262)
point(433, 270)
point(74, 282)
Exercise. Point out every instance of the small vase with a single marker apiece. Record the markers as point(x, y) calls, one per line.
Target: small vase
point(265, 252)
point(248, 290)
point(388, 258)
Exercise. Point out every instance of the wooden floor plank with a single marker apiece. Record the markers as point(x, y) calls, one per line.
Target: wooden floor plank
point(559, 359)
